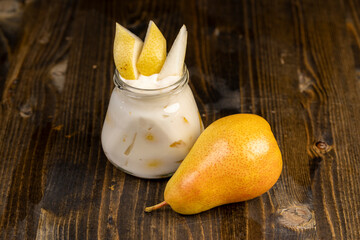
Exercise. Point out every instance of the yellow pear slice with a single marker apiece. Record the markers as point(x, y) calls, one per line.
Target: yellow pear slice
point(174, 63)
point(153, 53)
point(127, 48)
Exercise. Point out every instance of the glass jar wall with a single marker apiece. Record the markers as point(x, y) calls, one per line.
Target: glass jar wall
point(148, 132)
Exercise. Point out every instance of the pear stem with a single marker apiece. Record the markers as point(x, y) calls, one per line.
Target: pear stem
point(155, 207)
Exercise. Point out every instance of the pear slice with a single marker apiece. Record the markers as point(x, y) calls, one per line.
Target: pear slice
point(174, 63)
point(127, 48)
point(153, 54)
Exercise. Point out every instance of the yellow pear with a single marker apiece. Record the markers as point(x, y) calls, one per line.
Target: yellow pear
point(235, 159)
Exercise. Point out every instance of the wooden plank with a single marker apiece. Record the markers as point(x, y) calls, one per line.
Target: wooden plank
point(296, 63)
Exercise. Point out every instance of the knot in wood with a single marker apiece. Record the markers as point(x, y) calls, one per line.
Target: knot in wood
point(58, 74)
point(111, 220)
point(297, 217)
point(9, 8)
point(322, 146)
point(26, 110)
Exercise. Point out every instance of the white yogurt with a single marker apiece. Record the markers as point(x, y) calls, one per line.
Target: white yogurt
point(147, 133)
point(151, 82)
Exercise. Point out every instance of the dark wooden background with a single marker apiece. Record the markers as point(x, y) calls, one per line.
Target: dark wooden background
point(296, 63)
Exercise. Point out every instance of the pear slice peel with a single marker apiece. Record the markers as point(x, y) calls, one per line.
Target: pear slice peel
point(174, 63)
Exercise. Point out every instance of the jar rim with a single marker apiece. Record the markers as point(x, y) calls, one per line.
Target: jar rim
point(119, 83)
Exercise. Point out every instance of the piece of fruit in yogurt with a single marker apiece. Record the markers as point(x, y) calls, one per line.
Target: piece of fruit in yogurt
point(153, 53)
point(127, 48)
point(174, 63)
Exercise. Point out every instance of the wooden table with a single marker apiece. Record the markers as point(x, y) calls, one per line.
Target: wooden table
point(296, 63)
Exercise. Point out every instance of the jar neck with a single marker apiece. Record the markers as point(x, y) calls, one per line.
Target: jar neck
point(174, 87)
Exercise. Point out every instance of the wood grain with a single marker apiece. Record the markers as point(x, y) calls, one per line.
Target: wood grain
point(296, 63)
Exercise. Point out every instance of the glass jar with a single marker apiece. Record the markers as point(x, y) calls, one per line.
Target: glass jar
point(148, 132)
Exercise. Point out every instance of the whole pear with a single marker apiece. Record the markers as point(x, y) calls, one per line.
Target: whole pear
point(235, 159)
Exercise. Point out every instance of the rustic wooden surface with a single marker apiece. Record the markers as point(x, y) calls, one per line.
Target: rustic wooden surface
point(296, 63)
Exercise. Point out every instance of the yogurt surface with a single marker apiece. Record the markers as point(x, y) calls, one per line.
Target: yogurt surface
point(151, 82)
